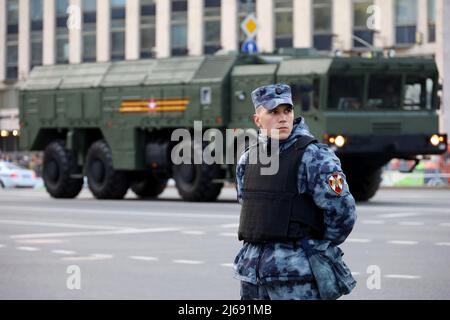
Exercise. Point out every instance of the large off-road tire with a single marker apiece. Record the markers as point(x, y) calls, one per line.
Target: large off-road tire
point(149, 186)
point(195, 182)
point(364, 185)
point(104, 181)
point(59, 165)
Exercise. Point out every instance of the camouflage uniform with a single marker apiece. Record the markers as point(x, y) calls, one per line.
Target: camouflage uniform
point(281, 270)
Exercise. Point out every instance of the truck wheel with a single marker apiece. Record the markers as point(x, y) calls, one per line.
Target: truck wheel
point(59, 164)
point(364, 186)
point(149, 187)
point(194, 182)
point(104, 182)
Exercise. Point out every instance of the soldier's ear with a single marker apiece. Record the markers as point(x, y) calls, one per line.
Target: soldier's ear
point(256, 120)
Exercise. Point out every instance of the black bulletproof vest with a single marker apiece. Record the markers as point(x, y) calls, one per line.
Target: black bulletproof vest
point(272, 209)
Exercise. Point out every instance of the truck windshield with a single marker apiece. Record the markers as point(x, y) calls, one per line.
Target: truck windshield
point(418, 93)
point(384, 92)
point(346, 92)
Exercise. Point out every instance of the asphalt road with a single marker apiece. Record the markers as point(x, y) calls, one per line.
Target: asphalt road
point(169, 249)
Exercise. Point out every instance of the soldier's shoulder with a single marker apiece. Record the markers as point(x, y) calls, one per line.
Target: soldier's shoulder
point(321, 157)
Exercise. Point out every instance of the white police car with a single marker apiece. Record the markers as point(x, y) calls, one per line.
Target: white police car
point(13, 176)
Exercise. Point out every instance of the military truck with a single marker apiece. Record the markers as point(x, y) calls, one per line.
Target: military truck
point(112, 121)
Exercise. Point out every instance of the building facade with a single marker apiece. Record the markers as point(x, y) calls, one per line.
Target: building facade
point(47, 32)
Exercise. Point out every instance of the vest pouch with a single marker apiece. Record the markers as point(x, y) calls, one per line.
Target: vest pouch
point(261, 225)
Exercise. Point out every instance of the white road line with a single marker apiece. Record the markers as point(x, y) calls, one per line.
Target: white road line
point(92, 233)
point(122, 212)
point(411, 223)
point(64, 252)
point(91, 257)
point(373, 222)
point(230, 225)
point(403, 242)
point(188, 261)
point(2, 245)
point(40, 241)
point(228, 265)
point(28, 248)
point(398, 215)
point(228, 234)
point(59, 225)
point(442, 244)
point(356, 273)
point(358, 240)
point(193, 232)
point(401, 276)
point(143, 258)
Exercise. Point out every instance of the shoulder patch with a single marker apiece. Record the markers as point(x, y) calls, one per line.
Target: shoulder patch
point(336, 182)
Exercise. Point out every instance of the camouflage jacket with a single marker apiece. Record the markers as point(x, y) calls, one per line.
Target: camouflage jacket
point(262, 263)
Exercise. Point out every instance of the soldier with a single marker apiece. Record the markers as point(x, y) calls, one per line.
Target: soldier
point(308, 198)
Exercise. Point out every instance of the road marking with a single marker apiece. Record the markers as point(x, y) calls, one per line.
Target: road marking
point(356, 273)
point(373, 222)
point(28, 248)
point(64, 252)
point(230, 225)
point(397, 215)
point(446, 224)
point(358, 240)
point(122, 212)
point(2, 245)
point(59, 225)
point(228, 265)
point(411, 223)
point(228, 234)
point(91, 257)
point(193, 232)
point(442, 244)
point(41, 241)
point(92, 233)
point(188, 261)
point(143, 258)
point(403, 242)
point(401, 276)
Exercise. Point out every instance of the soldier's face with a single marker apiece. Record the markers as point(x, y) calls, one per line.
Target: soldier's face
point(278, 122)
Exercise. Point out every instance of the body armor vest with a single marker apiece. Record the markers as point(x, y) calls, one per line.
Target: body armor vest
point(272, 209)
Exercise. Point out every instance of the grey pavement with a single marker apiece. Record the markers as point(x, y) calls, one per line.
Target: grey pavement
point(170, 249)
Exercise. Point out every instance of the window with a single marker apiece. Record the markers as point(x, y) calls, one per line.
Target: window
point(212, 26)
point(62, 33)
point(406, 20)
point(117, 30)
point(431, 20)
point(418, 93)
point(36, 33)
point(323, 35)
point(384, 92)
point(360, 29)
point(179, 27)
point(244, 9)
point(12, 8)
point(148, 28)
point(89, 30)
point(283, 24)
point(306, 95)
point(346, 92)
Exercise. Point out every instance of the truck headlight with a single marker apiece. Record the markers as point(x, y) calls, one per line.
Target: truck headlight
point(436, 139)
point(339, 140)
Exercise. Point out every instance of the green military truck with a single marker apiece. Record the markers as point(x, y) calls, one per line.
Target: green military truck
point(112, 122)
